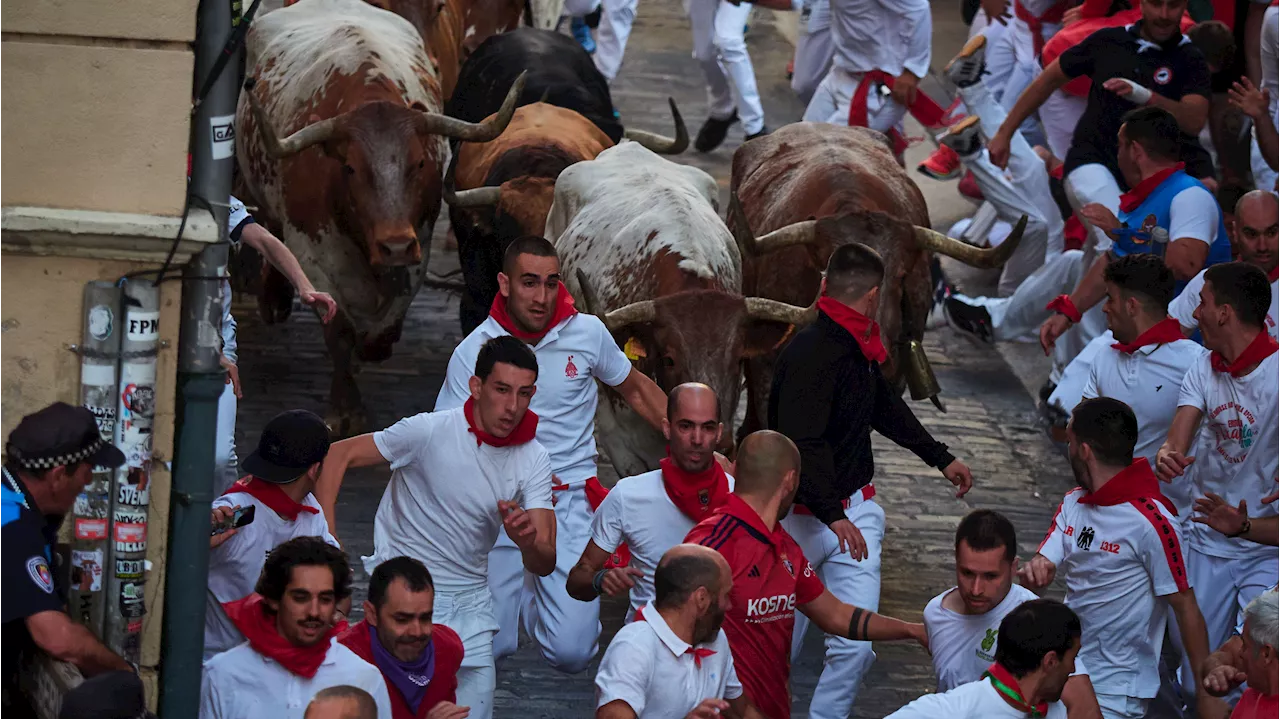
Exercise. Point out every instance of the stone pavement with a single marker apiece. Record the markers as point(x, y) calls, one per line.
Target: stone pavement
point(991, 423)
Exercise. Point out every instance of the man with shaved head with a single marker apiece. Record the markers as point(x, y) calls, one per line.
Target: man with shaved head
point(674, 659)
point(652, 512)
point(342, 702)
point(772, 578)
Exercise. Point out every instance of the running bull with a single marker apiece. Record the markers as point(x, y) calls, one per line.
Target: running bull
point(642, 246)
point(343, 146)
point(809, 188)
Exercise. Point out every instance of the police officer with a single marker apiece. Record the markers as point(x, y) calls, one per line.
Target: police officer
point(50, 458)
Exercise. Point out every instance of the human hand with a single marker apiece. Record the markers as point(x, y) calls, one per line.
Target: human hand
point(322, 302)
point(233, 375)
point(218, 516)
point(518, 523)
point(708, 709)
point(448, 710)
point(1073, 16)
point(905, 87)
point(996, 11)
point(1129, 90)
point(1051, 330)
point(1170, 463)
point(998, 149)
point(1100, 217)
point(1038, 573)
point(1250, 99)
point(618, 581)
point(1214, 512)
point(958, 474)
point(851, 540)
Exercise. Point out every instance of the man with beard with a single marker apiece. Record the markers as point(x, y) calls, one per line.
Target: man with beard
point(1034, 660)
point(964, 622)
point(772, 578)
point(1117, 541)
point(290, 654)
point(419, 659)
point(573, 350)
point(674, 660)
point(652, 512)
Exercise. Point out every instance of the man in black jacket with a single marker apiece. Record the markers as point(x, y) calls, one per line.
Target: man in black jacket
point(828, 394)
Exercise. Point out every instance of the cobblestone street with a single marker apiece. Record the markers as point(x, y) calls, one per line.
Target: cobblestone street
point(991, 423)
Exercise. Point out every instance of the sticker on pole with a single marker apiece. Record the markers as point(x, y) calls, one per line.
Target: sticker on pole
point(86, 569)
point(91, 529)
point(223, 132)
point(101, 322)
point(143, 327)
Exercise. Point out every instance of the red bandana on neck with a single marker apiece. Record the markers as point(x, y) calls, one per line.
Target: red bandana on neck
point(524, 431)
point(1007, 685)
point(563, 311)
point(1274, 275)
point(1136, 481)
point(698, 652)
point(1163, 332)
point(1262, 347)
point(272, 496)
point(696, 495)
point(1130, 200)
point(864, 329)
point(250, 617)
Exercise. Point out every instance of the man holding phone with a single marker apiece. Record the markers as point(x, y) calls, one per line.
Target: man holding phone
point(270, 506)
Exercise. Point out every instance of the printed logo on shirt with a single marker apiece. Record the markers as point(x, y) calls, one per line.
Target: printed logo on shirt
point(1158, 387)
point(39, 571)
point(786, 564)
point(1163, 76)
point(771, 609)
point(754, 571)
point(989, 640)
point(1234, 433)
point(1085, 540)
point(570, 369)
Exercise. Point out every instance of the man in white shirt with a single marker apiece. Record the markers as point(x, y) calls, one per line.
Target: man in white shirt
point(291, 652)
point(458, 477)
point(573, 350)
point(1227, 405)
point(1117, 541)
point(1035, 657)
point(282, 473)
point(964, 622)
point(674, 660)
point(652, 512)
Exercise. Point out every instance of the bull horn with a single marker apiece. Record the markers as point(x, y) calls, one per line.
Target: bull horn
point(479, 197)
point(934, 241)
point(759, 308)
point(435, 123)
point(797, 233)
point(302, 139)
point(590, 300)
point(659, 143)
point(634, 313)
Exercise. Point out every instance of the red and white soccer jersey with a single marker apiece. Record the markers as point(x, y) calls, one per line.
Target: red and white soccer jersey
point(771, 578)
point(1116, 560)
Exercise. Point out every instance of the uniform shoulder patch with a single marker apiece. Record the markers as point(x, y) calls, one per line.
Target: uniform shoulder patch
point(38, 568)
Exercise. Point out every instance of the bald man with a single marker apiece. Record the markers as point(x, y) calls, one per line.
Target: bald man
point(342, 702)
point(652, 512)
point(772, 578)
point(674, 660)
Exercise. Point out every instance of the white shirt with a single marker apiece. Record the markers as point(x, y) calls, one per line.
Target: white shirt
point(1149, 381)
point(235, 564)
point(647, 667)
point(1185, 304)
point(441, 505)
point(237, 214)
point(571, 356)
point(887, 35)
point(964, 645)
point(1115, 563)
point(1236, 447)
point(638, 512)
point(975, 700)
point(241, 683)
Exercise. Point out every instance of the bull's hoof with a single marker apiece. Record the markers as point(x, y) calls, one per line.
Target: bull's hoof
point(346, 424)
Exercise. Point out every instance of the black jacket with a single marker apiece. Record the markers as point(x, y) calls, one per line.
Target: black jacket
point(827, 397)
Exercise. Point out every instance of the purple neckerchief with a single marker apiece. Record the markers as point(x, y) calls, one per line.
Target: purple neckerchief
point(410, 678)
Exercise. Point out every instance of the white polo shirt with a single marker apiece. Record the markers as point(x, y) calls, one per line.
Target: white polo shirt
point(441, 505)
point(975, 700)
point(964, 645)
point(639, 512)
point(1186, 303)
point(1236, 447)
point(648, 667)
point(241, 683)
point(1116, 561)
point(235, 564)
point(1149, 381)
point(570, 356)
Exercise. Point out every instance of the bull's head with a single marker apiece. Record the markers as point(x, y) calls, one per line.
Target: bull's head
point(389, 171)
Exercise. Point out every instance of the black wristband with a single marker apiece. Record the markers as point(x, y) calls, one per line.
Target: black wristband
point(597, 582)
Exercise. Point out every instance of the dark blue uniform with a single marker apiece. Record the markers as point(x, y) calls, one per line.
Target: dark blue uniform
point(27, 538)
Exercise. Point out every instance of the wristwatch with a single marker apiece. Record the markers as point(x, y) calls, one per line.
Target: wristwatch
point(1244, 528)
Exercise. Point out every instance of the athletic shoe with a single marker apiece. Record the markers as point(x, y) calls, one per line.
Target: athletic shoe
point(713, 132)
point(963, 138)
point(970, 319)
point(582, 33)
point(966, 68)
point(969, 187)
point(763, 131)
point(942, 164)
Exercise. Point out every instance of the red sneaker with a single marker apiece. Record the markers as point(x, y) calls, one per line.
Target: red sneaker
point(969, 187)
point(943, 164)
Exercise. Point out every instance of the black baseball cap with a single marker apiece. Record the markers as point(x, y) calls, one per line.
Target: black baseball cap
point(60, 434)
point(291, 442)
point(114, 695)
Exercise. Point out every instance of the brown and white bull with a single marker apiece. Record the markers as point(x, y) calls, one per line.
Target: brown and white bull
point(809, 188)
point(642, 246)
point(343, 145)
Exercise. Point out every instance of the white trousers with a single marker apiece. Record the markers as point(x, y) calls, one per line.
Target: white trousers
point(1070, 389)
point(1012, 64)
point(1059, 116)
point(1094, 183)
point(566, 631)
point(830, 103)
point(720, 49)
point(1119, 706)
point(578, 8)
point(857, 583)
point(470, 614)
point(611, 37)
point(812, 61)
point(226, 466)
point(1020, 315)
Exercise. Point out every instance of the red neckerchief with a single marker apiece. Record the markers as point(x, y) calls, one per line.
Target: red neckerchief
point(695, 495)
point(1274, 275)
point(524, 431)
point(1007, 686)
point(250, 617)
point(1163, 332)
point(864, 329)
point(1136, 481)
point(272, 496)
point(697, 652)
point(1259, 349)
point(563, 311)
point(1130, 200)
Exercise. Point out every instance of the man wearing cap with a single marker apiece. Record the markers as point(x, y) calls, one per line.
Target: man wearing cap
point(282, 472)
point(50, 458)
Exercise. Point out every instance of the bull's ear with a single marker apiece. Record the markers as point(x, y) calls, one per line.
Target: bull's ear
point(764, 336)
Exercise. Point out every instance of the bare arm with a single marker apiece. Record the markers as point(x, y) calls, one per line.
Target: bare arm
point(1079, 699)
point(645, 397)
point(616, 709)
point(744, 708)
point(1255, 102)
point(1092, 288)
point(845, 620)
point(63, 639)
point(581, 583)
point(1195, 638)
point(1052, 78)
point(1172, 458)
point(1191, 112)
point(275, 252)
point(1253, 44)
point(1185, 257)
point(354, 452)
point(534, 533)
